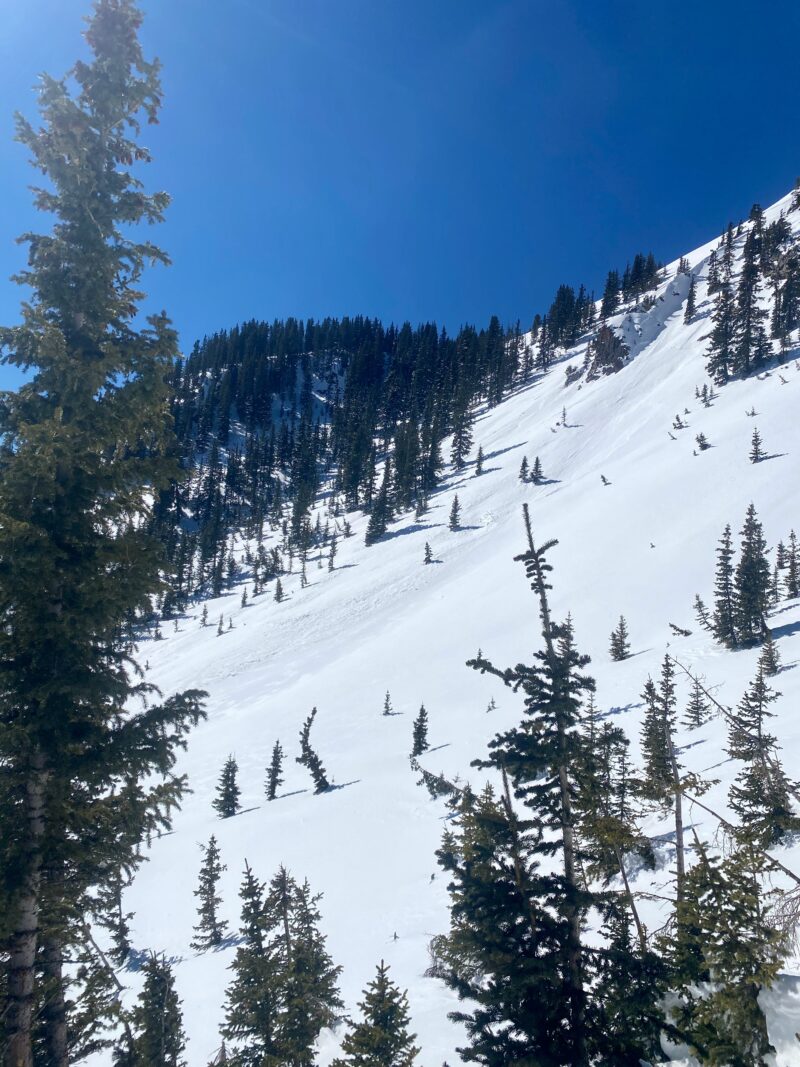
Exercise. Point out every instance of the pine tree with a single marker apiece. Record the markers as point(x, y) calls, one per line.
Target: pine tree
point(701, 611)
point(204, 616)
point(454, 522)
point(210, 929)
point(274, 776)
point(728, 937)
point(87, 450)
point(428, 554)
point(769, 661)
point(332, 554)
point(691, 301)
point(537, 474)
point(226, 803)
point(309, 759)
point(284, 989)
point(387, 704)
point(462, 439)
point(479, 462)
point(697, 710)
point(724, 617)
point(381, 1039)
point(620, 646)
point(657, 780)
point(756, 451)
point(420, 733)
point(156, 1021)
point(751, 347)
point(539, 758)
point(721, 358)
point(752, 581)
point(523, 469)
point(793, 567)
point(381, 513)
point(278, 591)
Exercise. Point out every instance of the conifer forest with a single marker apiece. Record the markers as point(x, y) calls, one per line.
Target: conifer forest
point(374, 694)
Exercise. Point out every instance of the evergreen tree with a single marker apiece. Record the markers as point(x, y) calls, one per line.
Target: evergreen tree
point(309, 759)
point(728, 937)
point(691, 301)
point(387, 704)
point(769, 661)
point(751, 347)
point(721, 355)
point(428, 554)
point(610, 300)
point(724, 617)
point(537, 474)
point(87, 448)
point(540, 758)
point(381, 1039)
point(523, 469)
point(462, 439)
point(284, 989)
point(620, 646)
point(657, 781)
point(226, 803)
point(420, 733)
point(697, 710)
point(752, 581)
point(278, 591)
point(274, 774)
point(156, 1022)
point(454, 522)
point(793, 567)
point(210, 928)
point(479, 462)
point(756, 451)
point(381, 513)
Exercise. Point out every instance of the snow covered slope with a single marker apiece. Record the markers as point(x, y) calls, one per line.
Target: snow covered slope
point(641, 546)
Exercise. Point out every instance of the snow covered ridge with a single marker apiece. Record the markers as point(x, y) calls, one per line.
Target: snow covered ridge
point(638, 508)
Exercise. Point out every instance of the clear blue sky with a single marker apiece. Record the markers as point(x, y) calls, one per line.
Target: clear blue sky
point(430, 159)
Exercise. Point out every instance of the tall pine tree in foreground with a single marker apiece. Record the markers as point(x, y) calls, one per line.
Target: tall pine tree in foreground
point(226, 803)
point(85, 448)
point(156, 1022)
point(381, 1039)
point(539, 919)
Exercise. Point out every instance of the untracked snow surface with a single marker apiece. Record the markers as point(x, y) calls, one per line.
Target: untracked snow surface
point(642, 545)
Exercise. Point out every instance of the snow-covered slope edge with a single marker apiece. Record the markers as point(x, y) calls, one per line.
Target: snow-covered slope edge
point(641, 546)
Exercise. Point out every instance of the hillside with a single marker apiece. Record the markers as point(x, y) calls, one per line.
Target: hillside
point(641, 545)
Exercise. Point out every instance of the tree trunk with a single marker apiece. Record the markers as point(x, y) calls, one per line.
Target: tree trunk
point(680, 861)
point(54, 1012)
point(24, 938)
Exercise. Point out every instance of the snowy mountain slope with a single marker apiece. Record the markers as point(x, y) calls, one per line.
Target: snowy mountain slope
point(641, 546)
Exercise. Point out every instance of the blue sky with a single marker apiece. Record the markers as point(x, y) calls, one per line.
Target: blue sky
point(429, 159)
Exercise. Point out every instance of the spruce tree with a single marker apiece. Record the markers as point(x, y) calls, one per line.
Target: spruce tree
point(724, 617)
point(87, 448)
point(537, 473)
point(210, 928)
point(420, 744)
point(697, 709)
point(381, 514)
point(756, 451)
point(479, 461)
point(752, 581)
point(769, 661)
point(751, 347)
point(539, 756)
point(226, 803)
point(278, 591)
point(793, 567)
point(721, 358)
point(729, 939)
point(381, 1038)
point(309, 759)
point(274, 776)
point(620, 646)
point(156, 1021)
point(428, 554)
point(454, 522)
point(523, 469)
point(691, 301)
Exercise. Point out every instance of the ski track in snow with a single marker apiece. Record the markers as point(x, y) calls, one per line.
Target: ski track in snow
point(383, 621)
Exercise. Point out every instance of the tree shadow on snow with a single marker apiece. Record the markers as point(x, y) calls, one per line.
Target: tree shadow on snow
point(438, 747)
point(332, 788)
point(785, 631)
